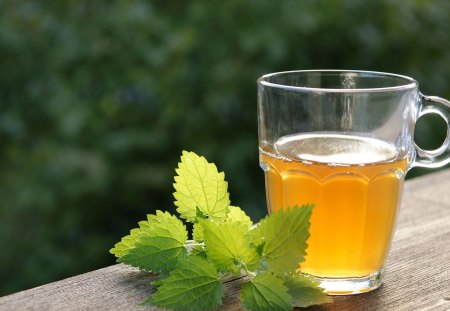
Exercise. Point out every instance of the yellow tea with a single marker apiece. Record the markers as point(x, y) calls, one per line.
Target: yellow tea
point(355, 184)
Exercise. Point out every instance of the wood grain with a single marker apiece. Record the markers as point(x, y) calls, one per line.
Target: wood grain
point(417, 275)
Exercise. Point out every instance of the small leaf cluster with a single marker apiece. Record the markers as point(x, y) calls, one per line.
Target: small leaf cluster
point(225, 243)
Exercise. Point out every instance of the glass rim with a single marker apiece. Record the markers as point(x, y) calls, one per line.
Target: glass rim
point(410, 83)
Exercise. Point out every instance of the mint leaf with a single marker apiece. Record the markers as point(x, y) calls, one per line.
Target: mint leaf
point(193, 285)
point(197, 231)
point(266, 292)
point(155, 253)
point(165, 224)
point(305, 291)
point(126, 243)
point(282, 238)
point(198, 184)
point(156, 245)
point(198, 251)
point(162, 224)
point(226, 245)
point(236, 214)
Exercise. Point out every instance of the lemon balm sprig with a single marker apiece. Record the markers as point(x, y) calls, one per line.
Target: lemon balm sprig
point(224, 243)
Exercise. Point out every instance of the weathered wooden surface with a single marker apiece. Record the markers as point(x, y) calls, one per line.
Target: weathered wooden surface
point(417, 275)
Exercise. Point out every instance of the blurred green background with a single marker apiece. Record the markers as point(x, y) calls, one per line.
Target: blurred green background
point(99, 98)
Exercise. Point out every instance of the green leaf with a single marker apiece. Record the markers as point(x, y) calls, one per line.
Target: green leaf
point(226, 245)
point(282, 237)
point(165, 224)
point(161, 224)
point(305, 291)
point(198, 251)
point(265, 292)
point(155, 245)
point(193, 285)
point(126, 243)
point(197, 231)
point(199, 214)
point(236, 214)
point(198, 184)
point(155, 253)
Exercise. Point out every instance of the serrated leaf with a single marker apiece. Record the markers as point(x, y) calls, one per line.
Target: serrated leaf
point(126, 243)
point(199, 214)
point(164, 224)
point(155, 253)
point(236, 214)
point(155, 245)
point(226, 245)
point(197, 232)
point(305, 291)
point(283, 235)
point(265, 292)
point(198, 184)
point(193, 285)
point(198, 251)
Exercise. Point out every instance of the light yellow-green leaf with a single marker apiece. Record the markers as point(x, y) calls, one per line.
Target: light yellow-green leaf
point(197, 232)
point(305, 291)
point(226, 245)
point(126, 243)
point(198, 184)
point(163, 224)
point(236, 214)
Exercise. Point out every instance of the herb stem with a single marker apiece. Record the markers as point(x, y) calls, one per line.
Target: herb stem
point(249, 273)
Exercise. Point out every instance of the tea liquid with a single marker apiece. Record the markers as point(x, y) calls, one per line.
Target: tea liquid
point(355, 184)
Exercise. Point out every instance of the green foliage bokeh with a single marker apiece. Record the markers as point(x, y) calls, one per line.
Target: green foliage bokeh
point(99, 98)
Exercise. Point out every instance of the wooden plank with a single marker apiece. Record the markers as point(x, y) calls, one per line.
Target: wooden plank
point(117, 287)
point(417, 275)
point(95, 290)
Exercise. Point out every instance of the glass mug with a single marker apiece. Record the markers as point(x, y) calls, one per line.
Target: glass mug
point(343, 140)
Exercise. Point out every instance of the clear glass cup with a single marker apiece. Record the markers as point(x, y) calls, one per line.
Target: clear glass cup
point(344, 140)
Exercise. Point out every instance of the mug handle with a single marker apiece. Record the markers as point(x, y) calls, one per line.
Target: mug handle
point(440, 156)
